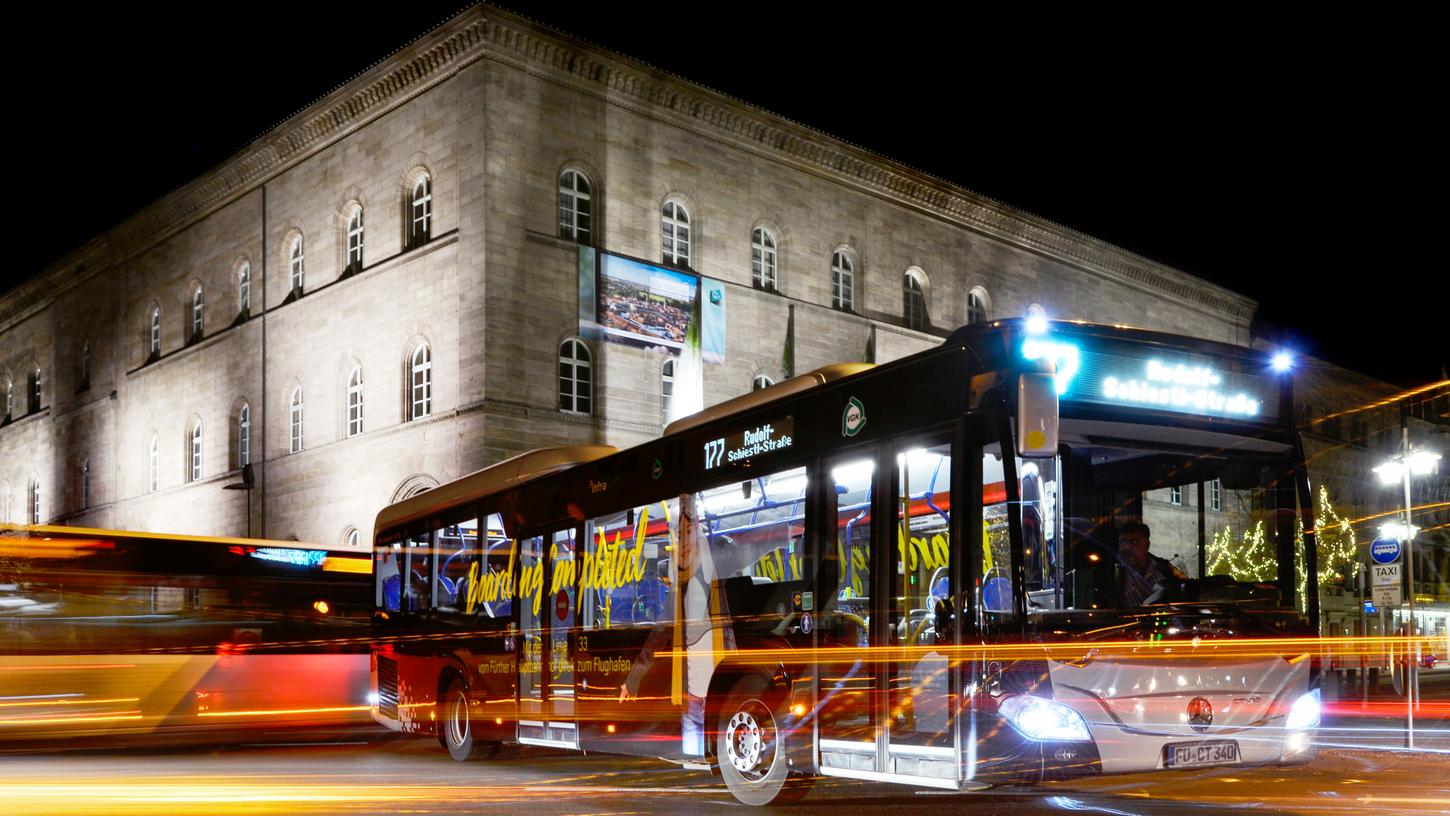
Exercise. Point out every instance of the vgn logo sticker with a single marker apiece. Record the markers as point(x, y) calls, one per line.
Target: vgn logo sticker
point(853, 419)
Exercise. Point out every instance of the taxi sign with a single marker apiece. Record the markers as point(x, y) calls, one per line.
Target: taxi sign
point(1385, 550)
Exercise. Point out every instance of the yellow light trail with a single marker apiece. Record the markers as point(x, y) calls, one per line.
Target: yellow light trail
point(1390, 400)
point(71, 719)
point(35, 703)
point(280, 711)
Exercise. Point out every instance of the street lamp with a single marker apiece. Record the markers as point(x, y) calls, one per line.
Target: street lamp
point(248, 483)
point(1399, 469)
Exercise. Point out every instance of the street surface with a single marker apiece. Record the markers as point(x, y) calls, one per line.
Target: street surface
point(390, 775)
point(1362, 768)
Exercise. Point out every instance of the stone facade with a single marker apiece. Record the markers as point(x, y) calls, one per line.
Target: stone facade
point(492, 108)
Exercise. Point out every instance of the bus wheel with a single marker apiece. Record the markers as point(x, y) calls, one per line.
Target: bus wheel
point(751, 752)
point(457, 733)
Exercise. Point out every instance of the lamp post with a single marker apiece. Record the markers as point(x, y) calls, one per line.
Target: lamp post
point(1399, 469)
point(248, 483)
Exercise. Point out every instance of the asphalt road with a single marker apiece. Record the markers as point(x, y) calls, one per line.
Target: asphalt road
point(392, 776)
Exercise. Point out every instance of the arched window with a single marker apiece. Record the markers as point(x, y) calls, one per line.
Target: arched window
point(761, 382)
point(354, 240)
point(675, 234)
point(295, 266)
point(422, 211)
point(294, 417)
point(153, 348)
point(193, 444)
point(913, 301)
point(35, 500)
point(86, 484)
point(35, 389)
point(244, 435)
point(843, 282)
point(153, 463)
point(667, 389)
point(355, 402)
point(85, 366)
point(576, 381)
point(762, 259)
point(576, 207)
point(977, 305)
point(244, 290)
point(420, 368)
point(198, 309)
point(351, 539)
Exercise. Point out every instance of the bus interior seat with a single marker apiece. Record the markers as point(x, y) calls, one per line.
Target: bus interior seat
point(392, 592)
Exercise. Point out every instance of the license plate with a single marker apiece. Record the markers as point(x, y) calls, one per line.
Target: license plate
point(1198, 754)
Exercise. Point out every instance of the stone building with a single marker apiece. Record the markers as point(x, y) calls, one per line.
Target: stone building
point(381, 293)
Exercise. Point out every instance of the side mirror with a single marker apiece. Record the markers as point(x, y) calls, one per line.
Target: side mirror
point(1037, 415)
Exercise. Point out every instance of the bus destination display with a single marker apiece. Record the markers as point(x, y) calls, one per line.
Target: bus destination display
point(750, 443)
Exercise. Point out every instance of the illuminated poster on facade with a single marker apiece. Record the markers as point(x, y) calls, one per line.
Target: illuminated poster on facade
point(633, 303)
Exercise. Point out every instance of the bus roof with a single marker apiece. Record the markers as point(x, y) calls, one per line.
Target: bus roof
point(745, 402)
point(55, 531)
point(489, 480)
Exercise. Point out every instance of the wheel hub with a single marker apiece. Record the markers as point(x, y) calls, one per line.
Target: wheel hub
point(747, 742)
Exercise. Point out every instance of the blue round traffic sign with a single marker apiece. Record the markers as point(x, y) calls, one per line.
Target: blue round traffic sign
point(1385, 550)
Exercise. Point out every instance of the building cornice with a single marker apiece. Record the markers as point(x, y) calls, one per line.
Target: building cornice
point(484, 32)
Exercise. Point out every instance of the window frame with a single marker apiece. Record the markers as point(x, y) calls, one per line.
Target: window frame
point(244, 435)
point(296, 267)
point(760, 382)
point(244, 289)
point(198, 314)
point(153, 467)
point(675, 221)
point(576, 364)
point(667, 389)
point(764, 260)
point(195, 449)
point(913, 300)
point(353, 422)
point(979, 305)
point(420, 383)
point(843, 281)
point(354, 234)
point(571, 196)
point(153, 346)
point(420, 224)
point(295, 418)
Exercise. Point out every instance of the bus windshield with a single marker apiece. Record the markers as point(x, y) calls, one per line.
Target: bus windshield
point(1122, 520)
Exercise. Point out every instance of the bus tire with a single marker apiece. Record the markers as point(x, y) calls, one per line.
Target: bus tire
point(457, 729)
point(751, 750)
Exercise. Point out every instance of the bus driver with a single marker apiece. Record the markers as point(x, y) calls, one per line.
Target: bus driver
point(1143, 578)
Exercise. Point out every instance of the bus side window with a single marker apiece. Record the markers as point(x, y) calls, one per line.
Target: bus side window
point(417, 578)
point(387, 581)
point(756, 532)
point(625, 575)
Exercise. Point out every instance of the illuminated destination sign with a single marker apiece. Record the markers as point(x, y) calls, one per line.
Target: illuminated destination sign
point(1158, 380)
point(750, 443)
point(1196, 389)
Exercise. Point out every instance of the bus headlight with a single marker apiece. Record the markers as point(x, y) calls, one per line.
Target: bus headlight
point(1041, 719)
point(1305, 712)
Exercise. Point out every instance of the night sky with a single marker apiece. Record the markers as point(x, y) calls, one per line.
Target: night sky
point(1298, 161)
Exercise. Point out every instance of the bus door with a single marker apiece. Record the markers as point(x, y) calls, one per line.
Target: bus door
point(921, 683)
point(548, 589)
point(886, 688)
point(846, 684)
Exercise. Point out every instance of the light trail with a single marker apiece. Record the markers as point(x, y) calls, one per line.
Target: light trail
point(281, 711)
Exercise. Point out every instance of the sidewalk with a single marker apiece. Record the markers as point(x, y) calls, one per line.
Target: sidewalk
point(1378, 723)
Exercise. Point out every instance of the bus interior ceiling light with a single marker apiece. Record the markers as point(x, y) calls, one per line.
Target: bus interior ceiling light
point(1041, 719)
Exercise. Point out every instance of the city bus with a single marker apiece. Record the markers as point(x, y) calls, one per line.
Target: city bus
point(109, 636)
point(907, 572)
